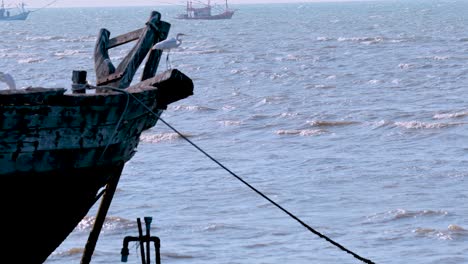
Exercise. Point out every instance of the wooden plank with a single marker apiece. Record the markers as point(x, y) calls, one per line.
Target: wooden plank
point(113, 77)
point(63, 160)
point(130, 64)
point(111, 186)
point(172, 85)
point(103, 66)
point(31, 96)
point(33, 139)
point(56, 116)
point(125, 38)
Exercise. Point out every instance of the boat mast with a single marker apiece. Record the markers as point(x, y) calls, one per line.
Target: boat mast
point(2, 9)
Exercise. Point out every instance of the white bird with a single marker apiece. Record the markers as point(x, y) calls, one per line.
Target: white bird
point(8, 79)
point(169, 44)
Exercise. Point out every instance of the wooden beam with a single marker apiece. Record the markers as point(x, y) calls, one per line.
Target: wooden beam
point(125, 38)
point(101, 217)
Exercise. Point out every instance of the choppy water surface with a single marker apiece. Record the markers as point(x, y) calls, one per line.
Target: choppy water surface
point(353, 116)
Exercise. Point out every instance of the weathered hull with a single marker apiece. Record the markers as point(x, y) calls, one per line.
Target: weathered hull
point(57, 151)
point(46, 131)
point(39, 210)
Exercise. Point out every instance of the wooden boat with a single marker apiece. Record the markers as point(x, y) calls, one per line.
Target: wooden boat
point(61, 152)
point(204, 13)
point(6, 16)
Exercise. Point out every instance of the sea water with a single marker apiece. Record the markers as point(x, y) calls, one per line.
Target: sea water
point(352, 116)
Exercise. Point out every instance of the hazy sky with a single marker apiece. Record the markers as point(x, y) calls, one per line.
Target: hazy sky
point(72, 3)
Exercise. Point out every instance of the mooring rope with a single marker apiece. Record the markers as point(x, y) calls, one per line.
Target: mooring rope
point(365, 260)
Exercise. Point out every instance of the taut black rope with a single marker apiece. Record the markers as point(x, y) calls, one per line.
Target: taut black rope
point(246, 183)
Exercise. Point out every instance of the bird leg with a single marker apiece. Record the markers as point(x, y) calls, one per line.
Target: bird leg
point(167, 61)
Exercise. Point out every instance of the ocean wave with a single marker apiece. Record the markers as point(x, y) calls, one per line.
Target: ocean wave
point(405, 66)
point(176, 255)
point(30, 60)
point(67, 53)
point(230, 123)
point(374, 81)
point(451, 115)
point(269, 100)
point(111, 223)
point(156, 138)
point(208, 227)
point(439, 58)
point(191, 108)
point(363, 40)
point(424, 125)
point(275, 76)
point(457, 228)
point(301, 132)
point(400, 214)
point(320, 86)
point(44, 38)
point(229, 107)
point(452, 232)
point(80, 39)
point(325, 123)
point(288, 114)
point(258, 117)
point(262, 245)
point(200, 52)
point(288, 57)
point(69, 252)
point(216, 227)
point(324, 39)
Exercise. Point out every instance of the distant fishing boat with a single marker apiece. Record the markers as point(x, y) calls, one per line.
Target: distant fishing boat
point(6, 15)
point(205, 12)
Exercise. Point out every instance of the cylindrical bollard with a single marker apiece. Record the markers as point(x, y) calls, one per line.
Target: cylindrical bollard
point(79, 82)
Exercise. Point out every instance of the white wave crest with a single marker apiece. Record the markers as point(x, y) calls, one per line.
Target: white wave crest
point(67, 53)
point(30, 60)
point(325, 123)
point(452, 232)
point(111, 223)
point(451, 115)
point(404, 66)
point(231, 123)
point(363, 40)
point(456, 228)
point(424, 125)
point(399, 214)
point(44, 38)
point(324, 39)
point(191, 108)
point(301, 132)
point(438, 58)
point(156, 138)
